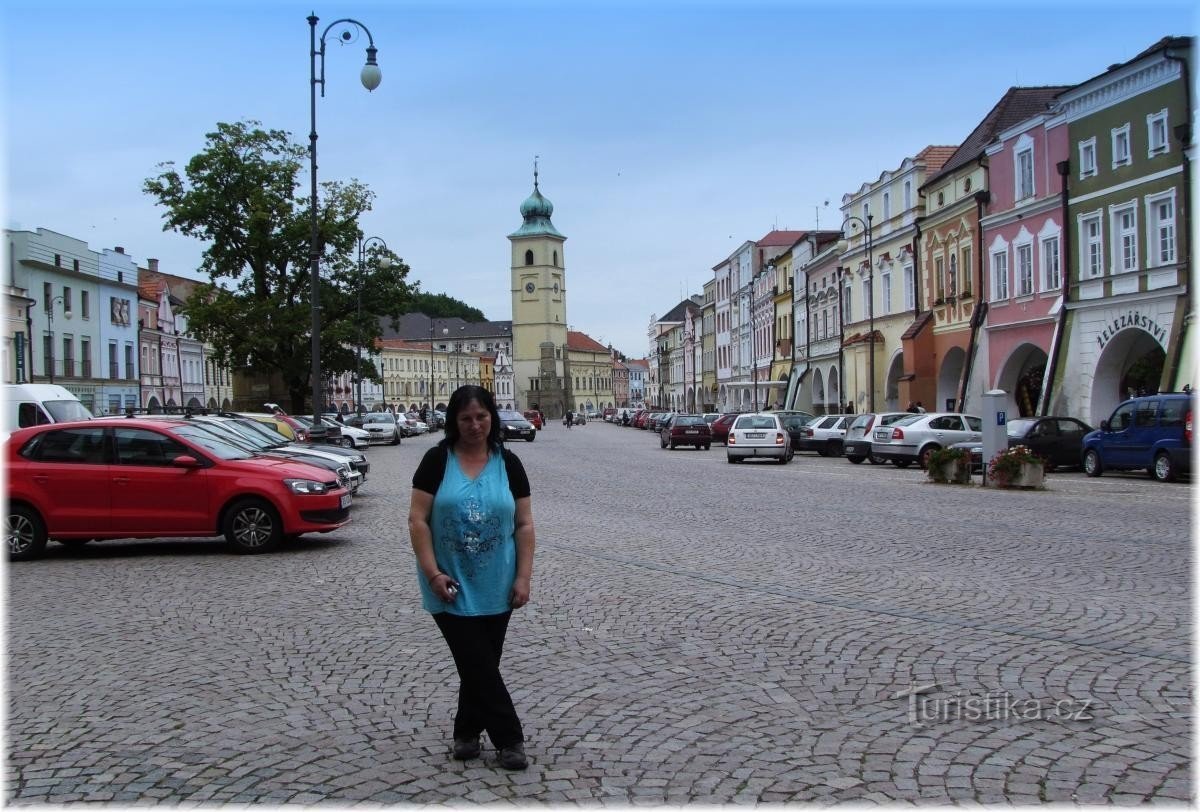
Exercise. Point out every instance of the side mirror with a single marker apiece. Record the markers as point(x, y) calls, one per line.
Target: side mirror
point(186, 461)
point(1103, 425)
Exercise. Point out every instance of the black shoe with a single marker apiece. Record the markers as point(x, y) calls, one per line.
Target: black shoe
point(466, 749)
point(513, 757)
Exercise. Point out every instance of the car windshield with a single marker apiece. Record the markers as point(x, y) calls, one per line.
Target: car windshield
point(507, 415)
point(212, 443)
point(909, 419)
point(64, 411)
point(755, 421)
point(379, 417)
point(1018, 427)
point(269, 436)
point(861, 421)
point(686, 420)
point(230, 435)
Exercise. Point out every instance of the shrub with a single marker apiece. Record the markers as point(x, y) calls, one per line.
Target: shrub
point(938, 460)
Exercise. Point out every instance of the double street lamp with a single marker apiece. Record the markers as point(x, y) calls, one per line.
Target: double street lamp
point(384, 262)
point(866, 227)
point(370, 77)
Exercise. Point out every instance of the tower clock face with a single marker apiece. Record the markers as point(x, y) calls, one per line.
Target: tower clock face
point(529, 287)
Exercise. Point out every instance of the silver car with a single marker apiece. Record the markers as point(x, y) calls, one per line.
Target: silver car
point(758, 434)
point(913, 438)
point(382, 427)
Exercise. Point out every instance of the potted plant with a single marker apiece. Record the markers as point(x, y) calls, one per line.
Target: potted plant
point(1017, 467)
point(949, 465)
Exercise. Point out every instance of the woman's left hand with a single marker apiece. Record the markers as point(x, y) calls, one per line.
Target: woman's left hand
point(520, 593)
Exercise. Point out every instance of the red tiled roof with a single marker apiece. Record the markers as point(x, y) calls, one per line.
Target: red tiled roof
point(582, 341)
point(784, 238)
point(918, 325)
point(934, 158)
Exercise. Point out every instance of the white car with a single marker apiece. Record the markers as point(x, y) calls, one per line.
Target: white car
point(351, 437)
point(383, 427)
point(758, 434)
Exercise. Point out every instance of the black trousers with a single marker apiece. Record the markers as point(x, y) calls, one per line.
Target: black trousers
point(483, 701)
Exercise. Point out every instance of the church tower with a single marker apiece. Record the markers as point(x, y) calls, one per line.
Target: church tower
point(541, 374)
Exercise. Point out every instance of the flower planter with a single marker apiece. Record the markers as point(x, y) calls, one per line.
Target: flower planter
point(1030, 475)
point(954, 472)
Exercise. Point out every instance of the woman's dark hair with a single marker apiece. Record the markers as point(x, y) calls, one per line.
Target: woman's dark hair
point(462, 396)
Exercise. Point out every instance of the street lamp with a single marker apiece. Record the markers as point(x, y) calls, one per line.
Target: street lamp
point(370, 77)
point(866, 227)
point(384, 262)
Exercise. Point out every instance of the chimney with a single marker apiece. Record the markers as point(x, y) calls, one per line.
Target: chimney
point(119, 250)
point(152, 265)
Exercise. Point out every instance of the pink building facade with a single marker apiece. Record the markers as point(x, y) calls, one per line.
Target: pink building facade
point(1023, 243)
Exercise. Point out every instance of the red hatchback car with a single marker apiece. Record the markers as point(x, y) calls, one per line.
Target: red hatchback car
point(720, 427)
point(114, 478)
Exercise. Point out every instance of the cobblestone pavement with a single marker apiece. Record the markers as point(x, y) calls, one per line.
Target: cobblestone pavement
point(699, 632)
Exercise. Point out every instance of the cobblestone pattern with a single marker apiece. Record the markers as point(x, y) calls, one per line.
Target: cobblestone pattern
point(699, 633)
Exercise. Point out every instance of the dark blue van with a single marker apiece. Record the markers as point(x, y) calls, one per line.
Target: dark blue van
point(1152, 432)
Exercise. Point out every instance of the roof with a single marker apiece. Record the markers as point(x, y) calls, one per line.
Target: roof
point(415, 327)
point(784, 238)
point(637, 362)
point(934, 158)
point(679, 311)
point(1015, 106)
point(582, 341)
point(918, 325)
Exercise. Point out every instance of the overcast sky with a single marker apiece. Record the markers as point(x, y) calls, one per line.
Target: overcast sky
point(668, 132)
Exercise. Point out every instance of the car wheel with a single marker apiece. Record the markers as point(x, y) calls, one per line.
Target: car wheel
point(730, 460)
point(671, 445)
point(662, 443)
point(857, 460)
point(876, 460)
point(1091, 463)
point(348, 442)
point(396, 438)
point(1163, 470)
point(531, 437)
point(26, 533)
point(252, 526)
point(707, 446)
point(926, 452)
point(822, 452)
point(901, 463)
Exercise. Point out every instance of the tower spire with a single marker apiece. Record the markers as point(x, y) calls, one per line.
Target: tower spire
point(535, 171)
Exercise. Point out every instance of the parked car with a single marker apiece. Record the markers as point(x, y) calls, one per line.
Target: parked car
point(1152, 432)
point(119, 478)
point(33, 404)
point(640, 419)
point(856, 445)
point(823, 434)
point(758, 434)
point(658, 420)
point(720, 427)
point(1057, 440)
point(534, 417)
point(686, 429)
point(381, 427)
point(276, 423)
point(914, 437)
point(513, 426)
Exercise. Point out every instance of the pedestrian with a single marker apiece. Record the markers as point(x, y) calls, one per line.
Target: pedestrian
point(920, 407)
point(471, 525)
point(911, 407)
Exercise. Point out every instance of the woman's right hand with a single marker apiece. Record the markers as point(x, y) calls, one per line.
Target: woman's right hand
point(444, 587)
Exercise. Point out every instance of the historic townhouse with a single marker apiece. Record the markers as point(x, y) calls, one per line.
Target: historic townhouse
point(723, 284)
point(80, 307)
point(505, 392)
point(781, 306)
point(411, 370)
point(1023, 238)
point(708, 343)
point(591, 372)
point(691, 342)
point(675, 379)
point(950, 261)
point(487, 375)
point(638, 373)
point(879, 280)
point(171, 361)
point(620, 375)
point(815, 382)
point(1128, 302)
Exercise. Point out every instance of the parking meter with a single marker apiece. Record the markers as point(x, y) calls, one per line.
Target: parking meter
point(995, 426)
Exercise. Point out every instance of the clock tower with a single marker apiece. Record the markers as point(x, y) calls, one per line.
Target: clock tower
point(541, 373)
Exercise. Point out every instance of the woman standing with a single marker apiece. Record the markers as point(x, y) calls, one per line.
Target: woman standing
point(471, 525)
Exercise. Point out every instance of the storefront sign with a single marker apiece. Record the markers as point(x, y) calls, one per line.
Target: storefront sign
point(1132, 319)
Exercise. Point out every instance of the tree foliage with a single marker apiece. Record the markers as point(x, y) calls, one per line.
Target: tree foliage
point(240, 195)
point(441, 306)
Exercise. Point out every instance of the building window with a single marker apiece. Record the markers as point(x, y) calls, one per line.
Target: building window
point(1120, 146)
point(868, 305)
point(48, 355)
point(85, 308)
point(1091, 234)
point(966, 271)
point(1125, 235)
point(847, 307)
point(999, 275)
point(885, 285)
point(85, 357)
point(1156, 125)
point(130, 371)
point(114, 369)
point(1023, 167)
point(1025, 269)
point(1087, 158)
point(952, 278)
point(887, 205)
point(939, 268)
point(910, 289)
point(66, 300)
point(528, 257)
point(68, 356)
point(47, 296)
point(907, 195)
point(1161, 217)
point(1051, 266)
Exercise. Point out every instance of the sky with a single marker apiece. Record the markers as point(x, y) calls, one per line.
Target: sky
point(667, 132)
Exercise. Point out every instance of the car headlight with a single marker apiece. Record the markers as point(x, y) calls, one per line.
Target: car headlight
point(359, 458)
point(306, 486)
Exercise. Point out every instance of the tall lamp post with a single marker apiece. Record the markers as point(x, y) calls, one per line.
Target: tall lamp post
point(370, 77)
point(384, 262)
point(866, 227)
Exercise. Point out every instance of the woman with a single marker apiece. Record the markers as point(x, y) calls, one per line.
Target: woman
point(471, 526)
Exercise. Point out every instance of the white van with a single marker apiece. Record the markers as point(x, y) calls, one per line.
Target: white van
point(32, 404)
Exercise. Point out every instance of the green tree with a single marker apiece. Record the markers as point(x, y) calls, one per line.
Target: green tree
point(239, 194)
point(441, 306)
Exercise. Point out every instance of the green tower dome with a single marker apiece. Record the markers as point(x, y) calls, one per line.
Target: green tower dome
point(536, 211)
point(536, 205)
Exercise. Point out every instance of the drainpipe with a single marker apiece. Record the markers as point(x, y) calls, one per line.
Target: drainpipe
point(982, 198)
point(916, 252)
point(1183, 133)
point(841, 340)
point(1064, 171)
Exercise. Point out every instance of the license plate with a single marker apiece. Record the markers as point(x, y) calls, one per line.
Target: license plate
point(756, 435)
point(883, 434)
point(692, 431)
point(345, 502)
